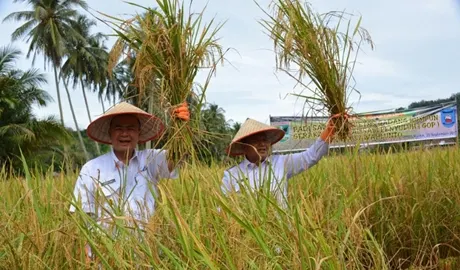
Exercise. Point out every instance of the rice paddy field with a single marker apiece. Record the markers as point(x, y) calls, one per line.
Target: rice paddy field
point(353, 211)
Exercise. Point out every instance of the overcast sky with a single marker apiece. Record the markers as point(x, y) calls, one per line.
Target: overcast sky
point(415, 57)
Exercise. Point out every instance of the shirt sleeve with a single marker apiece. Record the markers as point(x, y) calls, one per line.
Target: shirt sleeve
point(83, 194)
point(158, 165)
point(229, 183)
point(299, 162)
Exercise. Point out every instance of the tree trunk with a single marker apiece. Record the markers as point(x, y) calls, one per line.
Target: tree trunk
point(67, 161)
point(102, 103)
point(58, 95)
point(75, 120)
point(87, 111)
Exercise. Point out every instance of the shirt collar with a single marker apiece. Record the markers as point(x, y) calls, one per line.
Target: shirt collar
point(119, 164)
point(249, 164)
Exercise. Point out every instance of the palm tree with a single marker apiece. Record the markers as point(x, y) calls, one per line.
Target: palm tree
point(19, 91)
point(7, 99)
point(85, 58)
point(117, 83)
point(47, 25)
point(213, 120)
point(82, 144)
point(235, 127)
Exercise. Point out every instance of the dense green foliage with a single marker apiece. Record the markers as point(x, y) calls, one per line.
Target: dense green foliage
point(20, 130)
point(423, 103)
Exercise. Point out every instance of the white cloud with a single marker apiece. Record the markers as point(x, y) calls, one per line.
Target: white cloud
point(440, 7)
point(371, 66)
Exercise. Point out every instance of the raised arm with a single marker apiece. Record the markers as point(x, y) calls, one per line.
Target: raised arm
point(299, 162)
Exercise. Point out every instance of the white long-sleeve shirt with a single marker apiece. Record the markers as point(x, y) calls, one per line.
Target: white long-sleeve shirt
point(275, 171)
point(106, 185)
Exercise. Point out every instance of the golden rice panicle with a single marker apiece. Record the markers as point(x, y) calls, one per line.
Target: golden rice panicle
point(312, 50)
point(171, 46)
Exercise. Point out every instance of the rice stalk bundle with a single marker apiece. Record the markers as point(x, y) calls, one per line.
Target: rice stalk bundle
point(320, 52)
point(168, 47)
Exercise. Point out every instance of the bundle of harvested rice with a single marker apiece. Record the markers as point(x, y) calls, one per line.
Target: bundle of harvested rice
point(319, 52)
point(170, 46)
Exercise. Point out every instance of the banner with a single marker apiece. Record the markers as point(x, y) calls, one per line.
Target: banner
point(381, 127)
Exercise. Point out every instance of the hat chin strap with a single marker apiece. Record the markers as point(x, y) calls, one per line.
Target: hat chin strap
point(255, 162)
point(255, 150)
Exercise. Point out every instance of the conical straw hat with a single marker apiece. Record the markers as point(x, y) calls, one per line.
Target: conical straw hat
point(251, 127)
point(151, 126)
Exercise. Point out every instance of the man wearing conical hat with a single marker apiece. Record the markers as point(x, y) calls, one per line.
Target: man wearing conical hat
point(121, 179)
point(254, 141)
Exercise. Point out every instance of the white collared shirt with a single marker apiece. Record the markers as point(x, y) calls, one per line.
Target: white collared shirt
point(106, 185)
point(274, 171)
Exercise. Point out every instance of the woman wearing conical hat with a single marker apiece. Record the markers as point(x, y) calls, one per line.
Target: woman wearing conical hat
point(254, 141)
point(120, 180)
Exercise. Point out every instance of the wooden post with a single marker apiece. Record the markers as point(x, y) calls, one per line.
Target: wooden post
point(456, 109)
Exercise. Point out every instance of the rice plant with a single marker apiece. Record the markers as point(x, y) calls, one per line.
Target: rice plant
point(366, 211)
point(169, 45)
point(313, 50)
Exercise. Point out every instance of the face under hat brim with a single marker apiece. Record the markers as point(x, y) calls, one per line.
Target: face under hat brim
point(237, 147)
point(151, 127)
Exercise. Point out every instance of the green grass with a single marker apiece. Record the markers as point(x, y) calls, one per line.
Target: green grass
point(349, 212)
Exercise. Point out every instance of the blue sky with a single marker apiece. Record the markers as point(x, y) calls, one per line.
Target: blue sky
point(415, 57)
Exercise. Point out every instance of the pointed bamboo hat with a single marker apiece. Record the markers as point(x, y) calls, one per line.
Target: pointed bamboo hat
point(151, 126)
point(251, 127)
